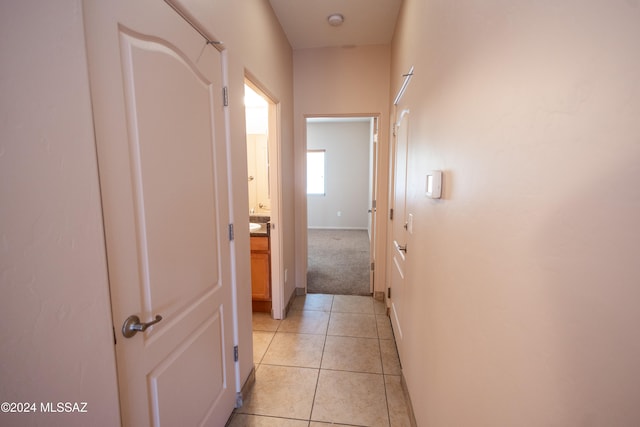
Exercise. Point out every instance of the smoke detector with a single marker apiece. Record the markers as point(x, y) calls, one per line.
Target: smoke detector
point(335, 19)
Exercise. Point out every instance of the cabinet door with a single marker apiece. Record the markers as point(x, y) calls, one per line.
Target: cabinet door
point(260, 277)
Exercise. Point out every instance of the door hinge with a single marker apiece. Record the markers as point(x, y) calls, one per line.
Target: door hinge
point(374, 204)
point(394, 129)
point(373, 266)
point(235, 353)
point(388, 293)
point(391, 214)
point(225, 96)
point(239, 400)
point(231, 233)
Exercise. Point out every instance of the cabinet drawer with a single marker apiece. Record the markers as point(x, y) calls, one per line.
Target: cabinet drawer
point(260, 244)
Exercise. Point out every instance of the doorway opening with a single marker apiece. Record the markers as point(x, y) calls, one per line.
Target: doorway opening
point(341, 169)
point(263, 165)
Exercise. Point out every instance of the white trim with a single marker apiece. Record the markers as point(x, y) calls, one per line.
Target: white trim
point(337, 228)
point(278, 286)
point(232, 244)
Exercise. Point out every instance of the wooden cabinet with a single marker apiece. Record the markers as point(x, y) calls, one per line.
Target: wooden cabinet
point(260, 274)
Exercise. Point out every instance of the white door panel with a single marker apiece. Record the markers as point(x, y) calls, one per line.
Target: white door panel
point(399, 233)
point(156, 89)
point(397, 279)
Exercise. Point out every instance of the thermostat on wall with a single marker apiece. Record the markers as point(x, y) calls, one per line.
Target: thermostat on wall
point(434, 184)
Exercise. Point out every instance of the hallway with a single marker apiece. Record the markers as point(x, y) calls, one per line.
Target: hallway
point(333, 360)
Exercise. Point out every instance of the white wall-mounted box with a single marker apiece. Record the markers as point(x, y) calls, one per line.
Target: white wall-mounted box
point(434, 184)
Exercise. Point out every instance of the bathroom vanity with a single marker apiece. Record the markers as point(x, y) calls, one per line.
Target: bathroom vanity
point(260, 264)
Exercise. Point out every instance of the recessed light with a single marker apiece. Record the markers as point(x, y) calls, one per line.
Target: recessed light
point(335, 19)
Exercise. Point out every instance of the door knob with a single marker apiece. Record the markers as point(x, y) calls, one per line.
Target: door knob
point(132, 325)
point(400, 247)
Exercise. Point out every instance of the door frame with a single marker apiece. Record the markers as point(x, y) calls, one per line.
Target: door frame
point(375, 117)
point(275, 178)
point(373, 182)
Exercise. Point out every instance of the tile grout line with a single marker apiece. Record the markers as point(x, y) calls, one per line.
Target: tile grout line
point(315, 392)
point(268, 346)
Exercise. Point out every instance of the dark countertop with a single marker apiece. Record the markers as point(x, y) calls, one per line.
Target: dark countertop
point(263, 220)
point(262, 232)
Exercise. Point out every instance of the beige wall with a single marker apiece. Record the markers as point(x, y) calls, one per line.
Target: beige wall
point(347, 146)
point(55, 320)
point(340, 81)
point(258, 168)
point(56, 328)
point(259, 47)
point(523, 293)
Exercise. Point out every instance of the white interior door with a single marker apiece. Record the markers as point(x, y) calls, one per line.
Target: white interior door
point(156, 89)
point(399, 236)
point(275, 179)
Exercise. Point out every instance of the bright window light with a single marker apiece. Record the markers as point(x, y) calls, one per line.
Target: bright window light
point(315, 172)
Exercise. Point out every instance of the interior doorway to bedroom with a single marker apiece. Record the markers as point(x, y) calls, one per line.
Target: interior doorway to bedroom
point(341, 214)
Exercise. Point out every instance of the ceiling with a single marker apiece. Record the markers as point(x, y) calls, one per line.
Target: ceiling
point(365, 22)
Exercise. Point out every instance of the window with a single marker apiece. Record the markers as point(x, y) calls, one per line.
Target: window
point(315, 172)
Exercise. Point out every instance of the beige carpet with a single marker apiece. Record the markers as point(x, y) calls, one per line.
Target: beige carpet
point(338, 262)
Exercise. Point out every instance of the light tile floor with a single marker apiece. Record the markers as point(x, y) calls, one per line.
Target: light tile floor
point(332, 361)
